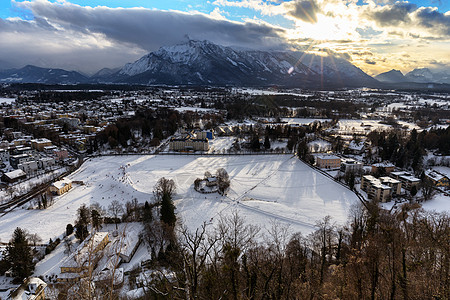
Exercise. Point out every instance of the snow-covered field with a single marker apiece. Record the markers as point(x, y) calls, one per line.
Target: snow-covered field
point(263, 188)
point(365, 126)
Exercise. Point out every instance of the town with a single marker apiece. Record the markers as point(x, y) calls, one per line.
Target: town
point(98, 183)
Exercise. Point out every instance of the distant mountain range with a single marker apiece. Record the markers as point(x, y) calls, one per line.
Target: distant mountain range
point(205, 63)
point(423, 75)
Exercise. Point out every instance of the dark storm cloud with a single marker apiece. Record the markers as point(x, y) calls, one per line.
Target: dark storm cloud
point(305, 10)
point(434, 20)
point(149, 29)
point(392, 15)
point(408, 16)
point(81, 38)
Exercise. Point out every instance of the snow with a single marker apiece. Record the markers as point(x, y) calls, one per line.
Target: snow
point(7, 100)
point(263, 188)
point(220, 144)
point(439, 203)
point(302, 121)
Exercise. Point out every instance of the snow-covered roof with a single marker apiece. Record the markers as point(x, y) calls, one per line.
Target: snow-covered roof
point(384, 164)
point(29, 290)
point(61, 183)
point(15, 174)
point(435, 175)
point(327, 156)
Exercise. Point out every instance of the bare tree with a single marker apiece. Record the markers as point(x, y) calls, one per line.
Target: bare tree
point(115, 208)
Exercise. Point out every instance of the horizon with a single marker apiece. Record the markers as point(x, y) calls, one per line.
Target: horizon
point(376, 36)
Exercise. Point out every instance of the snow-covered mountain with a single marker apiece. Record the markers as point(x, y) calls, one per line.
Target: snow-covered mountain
point(391, 76)
point(33, 74)
point(205, 63)
point(425, 75)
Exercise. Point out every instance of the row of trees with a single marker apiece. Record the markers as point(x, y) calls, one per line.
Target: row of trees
point(377, 255)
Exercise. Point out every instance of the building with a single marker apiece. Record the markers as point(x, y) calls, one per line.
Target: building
point(351, 165)
point(40, 144)
point(395, 184)
point(14, 176)
point(188, 144)
point(328, 161)
point(4, 155)
point(46, 162)
point(438, 179)
point(207, 134)
point(388, 167)
point(85, 257)
point(375, 189)
point(60, 187)
point(16, 160)
point(29, 167)
point(408, 181)
point(32, 288)
point(61, 154)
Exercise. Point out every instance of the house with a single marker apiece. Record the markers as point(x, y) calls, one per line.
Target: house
point(351, 165)
point(438, 179)
point(387, 166)
point(375, 189)
point(85, 258)
point(60, 187)
point(32, 288)
point(355, 147)
point(14, 176)
point(408, 181)
point(40, 144)
point(327, 161)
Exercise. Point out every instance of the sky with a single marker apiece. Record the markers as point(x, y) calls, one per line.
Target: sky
point(88, 35)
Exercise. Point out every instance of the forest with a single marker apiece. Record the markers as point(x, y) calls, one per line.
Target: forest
point(376, 255)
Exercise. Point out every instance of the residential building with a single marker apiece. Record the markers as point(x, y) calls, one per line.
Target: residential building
point(351, 165)
point(408, 181)
point(29, 167)
point(85, 257)
point(375, 189)
point(16, 160)
point(395, 184)
point(40, 144)
point(4, 155)
point(388, 167)
point(46, 162)
point(61, 187)
point(327, 161)
point(32, 288)
point(438, 179)
point(188, 144)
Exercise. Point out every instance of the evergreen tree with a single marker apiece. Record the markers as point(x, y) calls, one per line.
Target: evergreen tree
point(266, 142)
point(96, 219)
point(69, 229)
point(164, 190)
point(168, 210)
point(19, 255)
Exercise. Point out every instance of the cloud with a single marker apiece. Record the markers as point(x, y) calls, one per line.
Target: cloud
point(392, 15)
point(71, 36)
point(305, 10)
point(413, 21)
